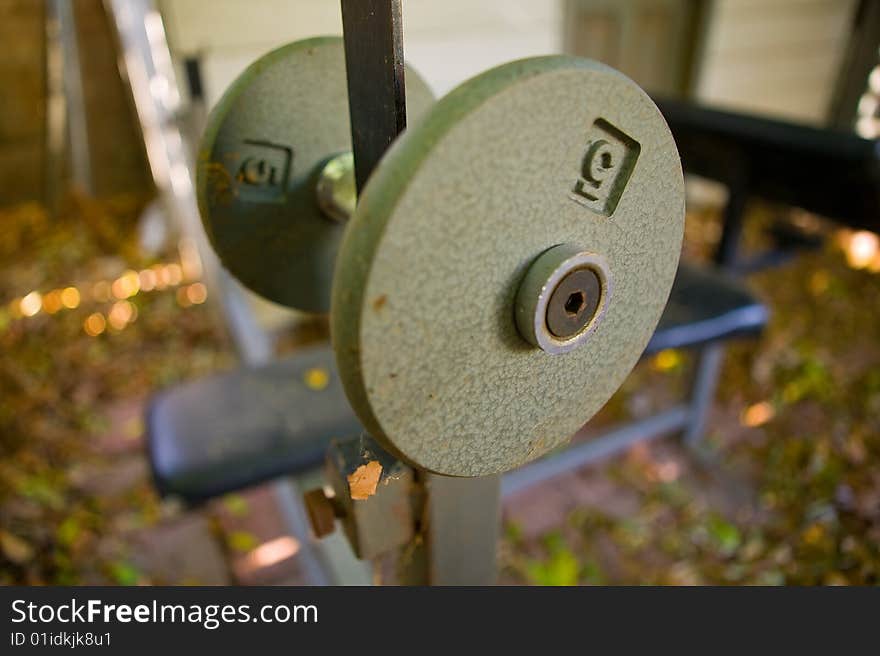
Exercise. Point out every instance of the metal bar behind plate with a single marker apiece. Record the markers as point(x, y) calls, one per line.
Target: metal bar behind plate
point(373, 33)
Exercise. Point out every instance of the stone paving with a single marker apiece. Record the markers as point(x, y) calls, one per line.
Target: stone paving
point(220, 543)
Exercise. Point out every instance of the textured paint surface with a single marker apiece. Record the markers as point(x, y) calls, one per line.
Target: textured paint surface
point(259, 161)
point(423, 298)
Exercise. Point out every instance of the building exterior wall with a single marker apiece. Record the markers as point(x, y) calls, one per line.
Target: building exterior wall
point(775, 57)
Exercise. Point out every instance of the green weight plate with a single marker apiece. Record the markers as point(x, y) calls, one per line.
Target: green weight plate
point(546, 152)
point(260, 162)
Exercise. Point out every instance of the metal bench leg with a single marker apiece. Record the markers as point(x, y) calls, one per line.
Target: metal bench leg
point(705, 383)
point(290, 503)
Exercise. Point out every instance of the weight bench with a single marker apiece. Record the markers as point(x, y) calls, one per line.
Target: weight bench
point(233, 430)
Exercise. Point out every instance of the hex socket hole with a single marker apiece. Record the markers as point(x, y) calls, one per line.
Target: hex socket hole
point(573, 303)
point(562, 297)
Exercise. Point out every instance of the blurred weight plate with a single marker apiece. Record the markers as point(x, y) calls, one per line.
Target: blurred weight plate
point(530, 155)
point(276, 127)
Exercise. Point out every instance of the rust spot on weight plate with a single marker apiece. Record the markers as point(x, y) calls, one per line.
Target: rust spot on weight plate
point(362, 482)
point(220, 187)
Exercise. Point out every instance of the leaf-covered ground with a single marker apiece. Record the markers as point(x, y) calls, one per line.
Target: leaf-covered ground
point(66, 496)
point(786, 490)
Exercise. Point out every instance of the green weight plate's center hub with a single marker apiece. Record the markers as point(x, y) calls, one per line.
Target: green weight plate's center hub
point(273, 172)
point(452, 345)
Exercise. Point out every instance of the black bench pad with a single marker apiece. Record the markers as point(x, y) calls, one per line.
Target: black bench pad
point(232, 430)
point(706, 306)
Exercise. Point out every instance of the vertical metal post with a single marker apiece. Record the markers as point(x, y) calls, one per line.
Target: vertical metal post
point(77, 118)
point(733, 217)
point(373, 33)
point(56, 111)
point(458, 527)
point(705, 382)
point(463, 517)
point(711, 357)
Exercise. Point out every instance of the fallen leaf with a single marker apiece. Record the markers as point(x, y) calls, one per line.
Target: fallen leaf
point(15, 549)
point(242, 541)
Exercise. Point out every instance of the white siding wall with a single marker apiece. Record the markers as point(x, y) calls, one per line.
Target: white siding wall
point(776, 57)
point(447, 41)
